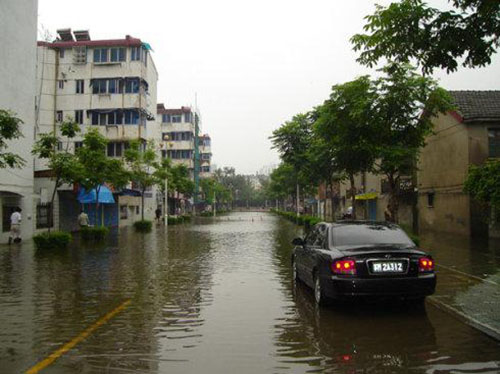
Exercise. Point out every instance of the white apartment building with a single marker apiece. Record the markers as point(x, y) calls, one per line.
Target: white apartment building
point(107, 84)
point(18, 22)
point(205, 149)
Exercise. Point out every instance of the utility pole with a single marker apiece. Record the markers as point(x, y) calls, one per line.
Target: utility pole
point(196, 159)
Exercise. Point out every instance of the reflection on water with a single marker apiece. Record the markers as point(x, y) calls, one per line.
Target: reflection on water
point(212, 297)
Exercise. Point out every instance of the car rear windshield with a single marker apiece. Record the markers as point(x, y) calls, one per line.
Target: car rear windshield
point(356, 235)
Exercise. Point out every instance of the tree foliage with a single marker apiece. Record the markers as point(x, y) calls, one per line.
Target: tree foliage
point(9, 130)
point(411, 30)
point(63, 164)
point(483, 183)
point(96, 168)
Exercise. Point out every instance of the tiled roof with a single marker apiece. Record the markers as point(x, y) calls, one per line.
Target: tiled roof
point(477, 105)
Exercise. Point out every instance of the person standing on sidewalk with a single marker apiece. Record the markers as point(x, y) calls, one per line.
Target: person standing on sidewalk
point(15, 226)
point(83, 219)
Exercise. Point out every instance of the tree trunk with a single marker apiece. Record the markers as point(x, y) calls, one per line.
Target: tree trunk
point(52, 200)
point(393, 197)
point(331, 201)
point(142, 204)
point(353, 196)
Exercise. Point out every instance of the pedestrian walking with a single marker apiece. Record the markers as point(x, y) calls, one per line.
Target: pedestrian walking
point(83, 219)
point(15, 226)
point(158, 214)
point(387, 214)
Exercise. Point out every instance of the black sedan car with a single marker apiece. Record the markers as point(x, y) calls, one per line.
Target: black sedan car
point(359, 258)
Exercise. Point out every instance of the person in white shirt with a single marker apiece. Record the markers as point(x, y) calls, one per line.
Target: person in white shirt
point(15, 226)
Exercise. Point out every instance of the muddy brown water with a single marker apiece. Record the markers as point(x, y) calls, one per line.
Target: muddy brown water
point(211, 297)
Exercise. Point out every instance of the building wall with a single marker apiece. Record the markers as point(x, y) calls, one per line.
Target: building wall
point(52, 67)
point(443, 168)
point(18, 29)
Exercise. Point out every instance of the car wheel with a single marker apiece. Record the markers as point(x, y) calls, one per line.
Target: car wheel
point(319, 295)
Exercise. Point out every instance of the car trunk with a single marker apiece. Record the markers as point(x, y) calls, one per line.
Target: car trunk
point(384, 261)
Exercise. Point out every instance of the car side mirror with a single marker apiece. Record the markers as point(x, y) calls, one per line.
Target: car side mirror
point(298, 241)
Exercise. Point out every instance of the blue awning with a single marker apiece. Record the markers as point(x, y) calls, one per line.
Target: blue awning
point(105, 196)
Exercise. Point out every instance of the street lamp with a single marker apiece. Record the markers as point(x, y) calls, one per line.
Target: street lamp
point(165, 215)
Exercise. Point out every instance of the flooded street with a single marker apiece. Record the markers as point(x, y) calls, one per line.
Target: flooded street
point(212, 297)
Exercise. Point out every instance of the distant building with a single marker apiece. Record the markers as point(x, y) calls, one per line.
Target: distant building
point(105, 84)
point(469, 135)
point(205, 149)
point(18, 30)
point(179, 131)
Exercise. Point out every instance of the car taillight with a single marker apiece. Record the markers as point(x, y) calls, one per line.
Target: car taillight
point(425, 265)
point(344, 267)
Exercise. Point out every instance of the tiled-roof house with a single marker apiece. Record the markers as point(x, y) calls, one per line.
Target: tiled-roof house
point(468, 135)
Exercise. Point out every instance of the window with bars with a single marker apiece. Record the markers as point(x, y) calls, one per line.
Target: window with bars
point(79, 116)
point(80, 86)
point(494, 142)
point(44, 216)
point(80, 55)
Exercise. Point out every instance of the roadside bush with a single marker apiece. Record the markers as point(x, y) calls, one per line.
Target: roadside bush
point(96, 233)
point(186, 218)
point(143, 226)
point(52, 240)
point(304, 220)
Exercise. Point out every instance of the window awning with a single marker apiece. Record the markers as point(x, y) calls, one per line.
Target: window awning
point(367, 196)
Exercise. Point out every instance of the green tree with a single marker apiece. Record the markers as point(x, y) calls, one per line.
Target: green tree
point(404, 106)
point(282, 182)
point(180, 181)
point(142, 163)
point(96, 168)
point(345, 123)
point(63, 164)
point(411, 30)
point(9, 130)
point(293, 140)
point(483, 184)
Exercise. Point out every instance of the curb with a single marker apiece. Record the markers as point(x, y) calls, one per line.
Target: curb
point(481, 326)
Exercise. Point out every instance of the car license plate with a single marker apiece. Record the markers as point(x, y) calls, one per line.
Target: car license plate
point(388, 267)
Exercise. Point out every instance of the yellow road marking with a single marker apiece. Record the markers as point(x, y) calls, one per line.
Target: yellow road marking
point(84, 334)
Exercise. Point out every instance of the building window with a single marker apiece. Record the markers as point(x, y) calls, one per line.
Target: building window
point(80, 55)
point(59, 146)
point(205, 169)
point(187, 117)
point(135, 53)
point(99, 86)
point(59, 116)
point(79, 116)
point(115, 86)
point(494, 142)
point(132, 86)
point(44, 216)
point(165, 118)
point(117, 54)
point(123, 212)
point(60, 84)
point(79, 86)
point(145, 57)
point(100, 55)
point(131, 117)
point(117, 149)
point(176, 118)
point(430, 199)
point(115, 118)
point(61, 53)
point(78, 145)
point(205, 156)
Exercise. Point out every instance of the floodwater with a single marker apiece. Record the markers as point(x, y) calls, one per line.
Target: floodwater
point(211, 297)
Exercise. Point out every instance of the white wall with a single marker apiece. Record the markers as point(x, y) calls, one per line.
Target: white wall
point(18, 29)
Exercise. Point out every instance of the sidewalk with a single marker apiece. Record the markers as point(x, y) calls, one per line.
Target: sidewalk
point(468, 279)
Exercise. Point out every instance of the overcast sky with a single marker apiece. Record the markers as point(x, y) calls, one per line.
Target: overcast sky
point(253, 64)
